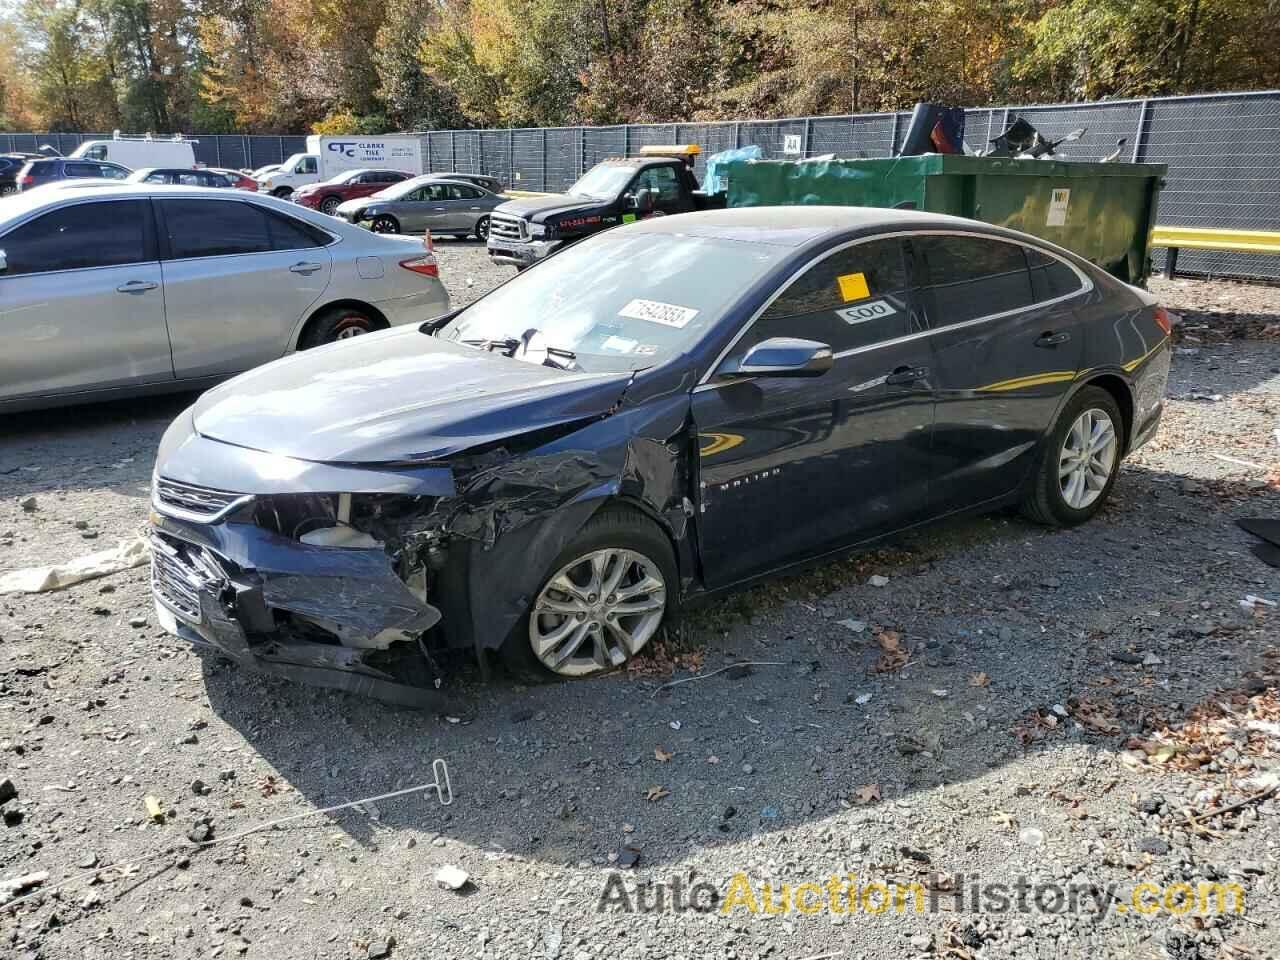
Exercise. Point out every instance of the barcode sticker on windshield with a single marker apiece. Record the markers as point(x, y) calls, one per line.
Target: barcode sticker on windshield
point(618, 344)
point(667, 314)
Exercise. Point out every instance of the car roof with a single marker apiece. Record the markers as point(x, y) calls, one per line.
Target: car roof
point(19, 205)
point(794, 226)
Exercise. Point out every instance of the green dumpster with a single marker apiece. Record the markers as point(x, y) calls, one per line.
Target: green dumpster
point(1104, 212)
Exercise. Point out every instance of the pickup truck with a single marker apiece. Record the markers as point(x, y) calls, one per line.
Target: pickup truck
point(659, 181)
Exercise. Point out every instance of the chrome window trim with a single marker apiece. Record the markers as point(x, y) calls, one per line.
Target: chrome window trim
point(1086, 286)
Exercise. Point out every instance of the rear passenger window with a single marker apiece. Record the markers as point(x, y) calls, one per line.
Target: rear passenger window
point(79, 237)
point(290, 234)
point(81, 170)
point(223, 228)
point(1050, 277)
point(854, 298)
point(214, 228)
point(964, 278)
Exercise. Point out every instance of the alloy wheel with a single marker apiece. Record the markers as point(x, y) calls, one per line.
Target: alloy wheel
point(383, 225)
point(1087, 459)
point(482, 228)
point(597, 611)
point(329, 205)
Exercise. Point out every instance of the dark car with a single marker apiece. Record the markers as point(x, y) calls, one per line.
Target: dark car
point(181, 176)
point(49, 169)
point(351, 185)
point(662, 412)
point(10, 165)
point(658, 183)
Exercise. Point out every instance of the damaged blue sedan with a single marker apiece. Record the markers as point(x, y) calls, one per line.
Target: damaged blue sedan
point(663, 412)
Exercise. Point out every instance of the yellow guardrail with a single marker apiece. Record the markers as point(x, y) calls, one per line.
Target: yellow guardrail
point(1206, 238)
point(1202, 238)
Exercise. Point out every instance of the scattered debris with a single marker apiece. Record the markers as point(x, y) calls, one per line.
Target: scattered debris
point(450, 877)
point(11, 888)
point(127, 555)
point(856, 626)
point(1031, 836)
point(627, 857)
point(154, 810)
point(979, 680)
point(736, 670)
point(656, 793)
point(7, 791)
point(868, 793)
point(892, 656)
point(28, 504)
point(662, 756)
point(876, 580)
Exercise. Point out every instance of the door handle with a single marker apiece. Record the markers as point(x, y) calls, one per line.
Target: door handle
point(905, 375)
point(1051, 339)
point(136, 286)
point(305, 268)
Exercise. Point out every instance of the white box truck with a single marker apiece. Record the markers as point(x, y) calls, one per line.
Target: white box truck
point(328, 157)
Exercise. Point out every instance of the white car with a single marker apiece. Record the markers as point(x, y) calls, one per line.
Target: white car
point(115, 289)
point(299, 170)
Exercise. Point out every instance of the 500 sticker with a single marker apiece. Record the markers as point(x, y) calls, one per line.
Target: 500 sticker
point(866, 311)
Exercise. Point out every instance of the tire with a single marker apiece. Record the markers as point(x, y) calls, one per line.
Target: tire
point(482, 229)
point(7, 189)
point(334, 324)
point(282, 192)
point(631, 546)
point(1059, 499)
point(329, 205)
point(385, 223)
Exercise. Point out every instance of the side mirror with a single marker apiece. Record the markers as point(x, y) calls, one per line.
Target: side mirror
point(4, 262)
point(641, 202)
point(786, 357)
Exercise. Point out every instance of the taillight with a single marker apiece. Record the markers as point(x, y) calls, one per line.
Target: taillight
point(28, 180)
point(425, 265)
point(1161, 317)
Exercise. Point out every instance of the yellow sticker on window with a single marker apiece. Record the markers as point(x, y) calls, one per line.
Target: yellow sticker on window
point(853, 286)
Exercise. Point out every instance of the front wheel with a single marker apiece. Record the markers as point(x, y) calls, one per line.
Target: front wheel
point(329, 205)
point(281, 192)
point(385, 224)
point(482, 229)
point(601, 602)
point(1079, 463)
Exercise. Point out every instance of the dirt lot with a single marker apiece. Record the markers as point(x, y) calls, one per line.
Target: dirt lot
point(1077, 711)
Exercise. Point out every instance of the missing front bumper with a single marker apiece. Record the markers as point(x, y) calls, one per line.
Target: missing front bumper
point(256, 597)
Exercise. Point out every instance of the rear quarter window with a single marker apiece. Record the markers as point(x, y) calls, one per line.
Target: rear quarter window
point(1050, 277)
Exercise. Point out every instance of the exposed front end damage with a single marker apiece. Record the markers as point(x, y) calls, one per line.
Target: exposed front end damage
point(353, 576)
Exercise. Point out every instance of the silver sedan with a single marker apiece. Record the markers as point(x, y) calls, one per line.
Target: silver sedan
point(426, 203)
point(128, 289)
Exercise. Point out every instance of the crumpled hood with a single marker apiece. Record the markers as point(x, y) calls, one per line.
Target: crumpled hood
point(540, 209)
point(398, 395)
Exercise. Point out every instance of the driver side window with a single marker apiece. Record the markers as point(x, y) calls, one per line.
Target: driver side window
point(856, 297)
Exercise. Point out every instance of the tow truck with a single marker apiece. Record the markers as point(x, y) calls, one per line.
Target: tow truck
point(618, 190)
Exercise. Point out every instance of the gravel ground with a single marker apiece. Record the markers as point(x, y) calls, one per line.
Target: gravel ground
point(1069, 699)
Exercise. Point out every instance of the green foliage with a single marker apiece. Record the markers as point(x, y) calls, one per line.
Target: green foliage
point(366, 66)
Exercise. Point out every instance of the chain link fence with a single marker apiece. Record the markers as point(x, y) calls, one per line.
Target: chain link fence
point(1223, 153)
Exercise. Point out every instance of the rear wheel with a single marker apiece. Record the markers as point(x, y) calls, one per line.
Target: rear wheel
point(482, 229)
point(7, 189)
point(334, 324)
point(385, 224)
point(1079, 463)
point(329, 205)
point(601, 602)
point(281, 192)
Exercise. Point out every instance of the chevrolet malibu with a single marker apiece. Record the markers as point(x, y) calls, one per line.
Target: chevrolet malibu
point(663, 412)
point(113, 289)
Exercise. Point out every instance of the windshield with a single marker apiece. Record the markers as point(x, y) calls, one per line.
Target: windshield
point(603, 181)
point(619, 301)
point(401, 189)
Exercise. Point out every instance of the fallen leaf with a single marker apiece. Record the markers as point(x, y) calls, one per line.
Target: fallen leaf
point(892, 656)
point(868, 793)
point(662, 756)
point(713, 759)
point(979, 680)
point(655, 793)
